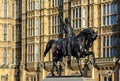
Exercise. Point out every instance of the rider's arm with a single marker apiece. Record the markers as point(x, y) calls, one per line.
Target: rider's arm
point(63, 23)
point(60, 18)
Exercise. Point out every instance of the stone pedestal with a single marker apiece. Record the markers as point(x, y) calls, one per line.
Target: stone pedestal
point(68, 78)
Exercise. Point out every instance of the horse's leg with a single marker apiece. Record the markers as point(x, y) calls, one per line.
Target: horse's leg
point(52, 71)
point(54, 66)
point(79, 65)
point(55, 60)
point(54, 50)
point(60, 66)
point(60, 70)
point(93, 56)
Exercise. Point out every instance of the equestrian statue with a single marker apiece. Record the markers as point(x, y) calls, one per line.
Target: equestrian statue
point(72, 45)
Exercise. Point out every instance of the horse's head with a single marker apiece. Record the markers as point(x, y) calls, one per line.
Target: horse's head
point(88, 36)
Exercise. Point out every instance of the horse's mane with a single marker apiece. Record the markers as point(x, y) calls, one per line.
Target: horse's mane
point(80, 34)
point(83, 32)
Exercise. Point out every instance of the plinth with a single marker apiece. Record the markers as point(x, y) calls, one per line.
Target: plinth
point(68, 78)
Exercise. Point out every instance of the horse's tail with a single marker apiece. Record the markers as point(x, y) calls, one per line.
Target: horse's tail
point(48, 46)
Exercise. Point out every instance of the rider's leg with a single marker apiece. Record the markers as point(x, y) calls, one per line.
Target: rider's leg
point(69, 48)
point(64, 48)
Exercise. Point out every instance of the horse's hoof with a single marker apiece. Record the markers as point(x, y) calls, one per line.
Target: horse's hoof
point(53, 75)
point(81, 74)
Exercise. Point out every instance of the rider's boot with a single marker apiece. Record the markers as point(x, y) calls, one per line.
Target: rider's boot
point(69, 53)
point(65, 54)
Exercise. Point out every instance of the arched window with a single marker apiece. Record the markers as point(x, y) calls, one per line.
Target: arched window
point(5, 33)
point(12, 10)
point(77, 13)
point(115, 7)
point(5, 8)
point(83, 22)
point(84, 12)
point(37, 52)
point(84, 17)
point(105, 79)
point(109, 78)
point(115, 46)
point(110, 14)
point(37, 4)
point(5, 56)
point(37, 26)
point(110, 46)
point(12, 56)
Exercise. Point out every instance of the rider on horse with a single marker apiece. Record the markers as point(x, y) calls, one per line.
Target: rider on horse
point(68, 35)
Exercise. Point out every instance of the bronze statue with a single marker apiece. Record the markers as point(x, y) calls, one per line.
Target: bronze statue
point(69, 35)
point(79, 47)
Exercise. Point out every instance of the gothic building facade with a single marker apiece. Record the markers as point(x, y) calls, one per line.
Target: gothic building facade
point(10, 39)
point(27, 25)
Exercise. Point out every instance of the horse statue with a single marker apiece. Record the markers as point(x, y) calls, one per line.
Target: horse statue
point(80, 47)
